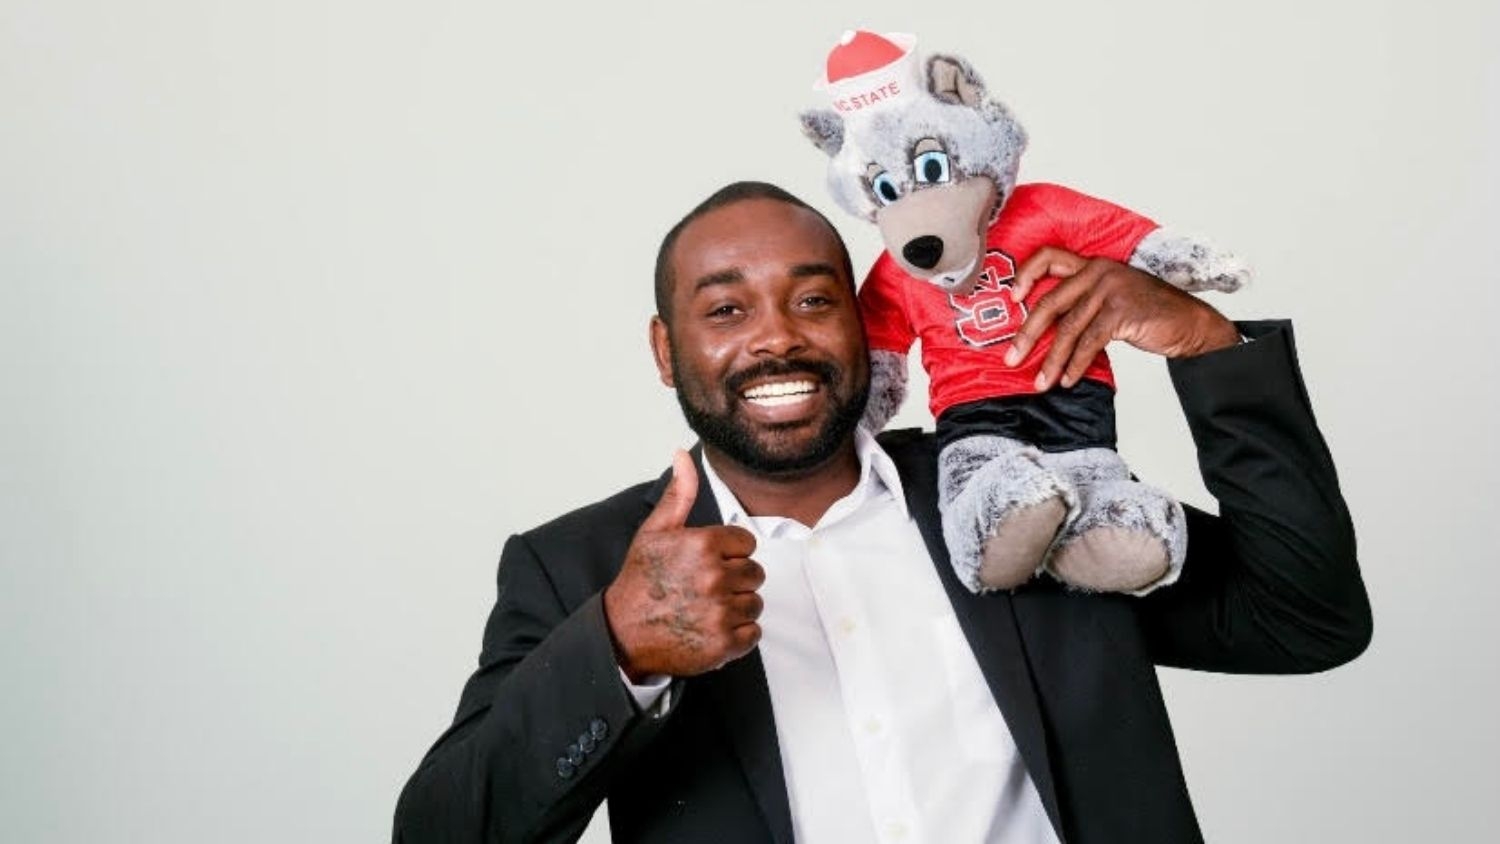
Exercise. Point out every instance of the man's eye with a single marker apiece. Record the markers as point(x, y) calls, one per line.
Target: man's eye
point(816, 301)
point(723, 311)
point(931, 168)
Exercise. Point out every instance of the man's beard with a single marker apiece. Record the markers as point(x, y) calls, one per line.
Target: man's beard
point(735, 437)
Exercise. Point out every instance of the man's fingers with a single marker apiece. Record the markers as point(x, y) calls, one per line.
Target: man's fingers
point(1069, 328)
point(1090, 344)
point(1052, 307)
point(745, 607)
point(745, 575)
point(1049, 260)
point(732, 541)
point(677, 499)
point(744, 637)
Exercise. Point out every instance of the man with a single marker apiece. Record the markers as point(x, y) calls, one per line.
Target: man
point(768, 643)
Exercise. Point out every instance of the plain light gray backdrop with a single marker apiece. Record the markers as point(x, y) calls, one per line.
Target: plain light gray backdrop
point(305, 306)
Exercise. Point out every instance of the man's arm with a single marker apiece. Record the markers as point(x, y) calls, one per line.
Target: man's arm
point(547, 721)
point(547, 678)
point(1271, 584)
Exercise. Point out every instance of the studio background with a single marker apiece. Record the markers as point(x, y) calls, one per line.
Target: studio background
point(305, 306)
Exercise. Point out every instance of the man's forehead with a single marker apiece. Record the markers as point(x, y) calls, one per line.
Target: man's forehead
point(752, 234)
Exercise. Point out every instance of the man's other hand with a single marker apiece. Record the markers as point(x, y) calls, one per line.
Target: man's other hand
point(1099, 300)
point(685, 601)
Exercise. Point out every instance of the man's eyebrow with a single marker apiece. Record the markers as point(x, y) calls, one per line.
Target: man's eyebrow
point(730, 276)
point(814, 269)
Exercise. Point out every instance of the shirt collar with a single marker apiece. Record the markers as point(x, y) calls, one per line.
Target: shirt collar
point(877, 477)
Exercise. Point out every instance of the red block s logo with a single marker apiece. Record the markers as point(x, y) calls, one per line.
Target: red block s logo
point(989, 315)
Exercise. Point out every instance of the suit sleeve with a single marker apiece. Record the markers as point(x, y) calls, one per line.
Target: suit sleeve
point(1271, 584)
point(547, 687)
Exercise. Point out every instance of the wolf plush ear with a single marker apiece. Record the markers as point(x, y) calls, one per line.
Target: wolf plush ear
point(825, 129)
point(953, 80)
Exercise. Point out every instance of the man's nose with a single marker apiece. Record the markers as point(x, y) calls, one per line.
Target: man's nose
point(777, 333)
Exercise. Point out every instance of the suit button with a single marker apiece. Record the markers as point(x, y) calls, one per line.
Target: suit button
point(565, 768)
point(598, 728)
point(586, 743)
point(575, 755)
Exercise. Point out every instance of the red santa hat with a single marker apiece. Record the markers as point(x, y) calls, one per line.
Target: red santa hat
point(867, 71)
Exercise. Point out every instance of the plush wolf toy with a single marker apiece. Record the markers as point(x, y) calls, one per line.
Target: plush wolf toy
point(1029, 480)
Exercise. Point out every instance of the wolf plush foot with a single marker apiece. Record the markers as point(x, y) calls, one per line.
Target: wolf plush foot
point(1128, 537)
point(1001, 510)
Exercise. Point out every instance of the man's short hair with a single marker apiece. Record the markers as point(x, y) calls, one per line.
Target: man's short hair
point(728, 195)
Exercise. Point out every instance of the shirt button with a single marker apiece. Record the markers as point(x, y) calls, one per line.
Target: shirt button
point(896, 831)
point(846, 625)
point(873, 727)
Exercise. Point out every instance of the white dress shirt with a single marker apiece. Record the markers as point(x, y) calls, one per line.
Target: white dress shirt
point(887, 729)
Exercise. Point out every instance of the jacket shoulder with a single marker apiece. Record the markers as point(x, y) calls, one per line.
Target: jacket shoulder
point(582, 551)
point(626, 508)
point(906, 445)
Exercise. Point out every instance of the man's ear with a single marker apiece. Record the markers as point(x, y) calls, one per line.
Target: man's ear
point(825, 129)
point(661, 349)
point(953, 80)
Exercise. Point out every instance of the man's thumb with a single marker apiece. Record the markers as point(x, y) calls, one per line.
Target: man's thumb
point(677, 499)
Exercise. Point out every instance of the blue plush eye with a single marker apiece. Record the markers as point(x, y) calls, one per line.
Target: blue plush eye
point(884, 188)
point(931, 168)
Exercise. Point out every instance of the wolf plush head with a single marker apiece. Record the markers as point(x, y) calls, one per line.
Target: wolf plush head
point(918, 148)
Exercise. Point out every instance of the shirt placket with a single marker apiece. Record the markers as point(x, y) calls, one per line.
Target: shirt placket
point(861, 674)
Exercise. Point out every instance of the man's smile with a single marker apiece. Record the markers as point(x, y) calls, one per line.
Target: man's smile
point(780, 393)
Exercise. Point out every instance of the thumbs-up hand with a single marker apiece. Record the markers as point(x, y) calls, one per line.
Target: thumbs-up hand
point(685, 600)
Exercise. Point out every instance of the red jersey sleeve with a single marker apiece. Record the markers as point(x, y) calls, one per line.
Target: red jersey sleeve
point(882, 306)
point(1089, 226)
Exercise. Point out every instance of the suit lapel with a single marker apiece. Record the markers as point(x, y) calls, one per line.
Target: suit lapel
point(742, 697)
point(988, 622)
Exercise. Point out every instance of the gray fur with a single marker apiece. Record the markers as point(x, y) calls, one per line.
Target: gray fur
point(1108, 498)
point(1084, 466)
point(951, 79)
point(887, 389)
point(824, 128)
point(982, 479)
point(1189, 263)
point(985, 140)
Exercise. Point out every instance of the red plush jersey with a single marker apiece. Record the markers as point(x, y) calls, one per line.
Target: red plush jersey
point(964, 339)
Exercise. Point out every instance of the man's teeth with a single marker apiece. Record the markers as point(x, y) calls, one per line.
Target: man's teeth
point(784, 392)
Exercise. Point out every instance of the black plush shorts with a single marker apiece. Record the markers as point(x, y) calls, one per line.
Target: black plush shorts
point(1061, 419)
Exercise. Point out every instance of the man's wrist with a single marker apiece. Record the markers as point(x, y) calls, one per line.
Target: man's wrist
point(1219, 334)
point(632, 673)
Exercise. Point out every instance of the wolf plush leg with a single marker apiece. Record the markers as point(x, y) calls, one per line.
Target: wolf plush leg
point(1128, 537)
point(1001, 510)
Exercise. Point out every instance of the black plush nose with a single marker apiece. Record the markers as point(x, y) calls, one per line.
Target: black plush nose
point(924, 251)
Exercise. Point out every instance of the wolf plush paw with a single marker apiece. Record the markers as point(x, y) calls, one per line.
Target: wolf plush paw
point(1001, 510)
point(1128, 537)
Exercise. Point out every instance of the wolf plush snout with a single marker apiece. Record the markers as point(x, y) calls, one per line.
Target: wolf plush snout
point(937, 232)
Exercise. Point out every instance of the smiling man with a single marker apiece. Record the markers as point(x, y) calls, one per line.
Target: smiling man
point(768, 643)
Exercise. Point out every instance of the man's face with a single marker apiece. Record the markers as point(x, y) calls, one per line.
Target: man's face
point(765, 346)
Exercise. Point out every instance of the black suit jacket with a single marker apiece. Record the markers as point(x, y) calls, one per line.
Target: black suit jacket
point(1270, 585)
